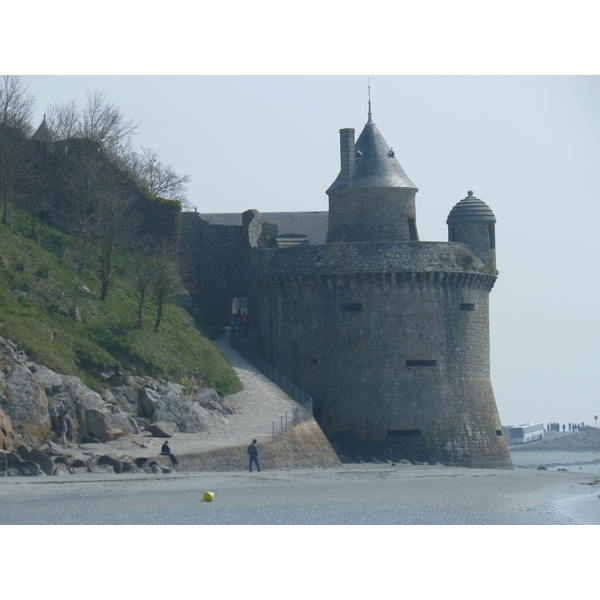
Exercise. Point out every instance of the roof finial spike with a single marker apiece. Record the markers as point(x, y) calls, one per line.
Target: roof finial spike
point(370, 120)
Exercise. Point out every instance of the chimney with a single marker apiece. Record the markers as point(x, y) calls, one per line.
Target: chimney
point(347, 153)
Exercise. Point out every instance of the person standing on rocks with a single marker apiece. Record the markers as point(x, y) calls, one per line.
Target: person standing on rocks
point(62, 427)
point(253, 453)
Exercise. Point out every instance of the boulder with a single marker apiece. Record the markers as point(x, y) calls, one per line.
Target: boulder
point(22, 396)
point(106, 459)
point(209, 399)
point(29, 468)
point(160, 429)
point(149, 400)
point(98, 425)
point(43, 460)
point(87, 413)
point(184, 410)
point(13, 464)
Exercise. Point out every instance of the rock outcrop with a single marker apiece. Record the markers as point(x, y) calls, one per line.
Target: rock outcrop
point(32, 396)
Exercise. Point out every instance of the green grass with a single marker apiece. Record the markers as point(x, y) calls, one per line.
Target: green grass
point(37, 290)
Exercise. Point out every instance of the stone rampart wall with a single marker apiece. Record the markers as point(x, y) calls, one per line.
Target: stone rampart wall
point(217, 267)
point(303, 446)
point(367, 257)
point(398, 362)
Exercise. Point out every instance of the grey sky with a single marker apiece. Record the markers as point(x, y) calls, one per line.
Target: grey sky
point(528, 146)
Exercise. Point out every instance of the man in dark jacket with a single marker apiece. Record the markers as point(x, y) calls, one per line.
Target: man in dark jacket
point(253, 453)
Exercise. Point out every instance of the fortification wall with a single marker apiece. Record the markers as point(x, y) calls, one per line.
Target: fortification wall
point(368, 257)
point(392, 342)
point(303, 446)
point(216, 265)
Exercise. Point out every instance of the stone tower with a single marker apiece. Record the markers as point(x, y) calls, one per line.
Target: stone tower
point(390, 335)
point(372, 197)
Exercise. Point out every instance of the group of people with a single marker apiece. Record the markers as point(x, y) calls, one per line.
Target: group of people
point(165, 450)
point(240, 321)
point(252, 451)
point(570, 427)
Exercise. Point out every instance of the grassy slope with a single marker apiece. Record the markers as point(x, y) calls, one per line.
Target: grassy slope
point(37, 288)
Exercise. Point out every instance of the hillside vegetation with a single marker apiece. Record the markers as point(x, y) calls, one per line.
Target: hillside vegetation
point(53, 311)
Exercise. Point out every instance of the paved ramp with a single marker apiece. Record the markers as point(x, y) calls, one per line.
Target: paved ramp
point(256, 407)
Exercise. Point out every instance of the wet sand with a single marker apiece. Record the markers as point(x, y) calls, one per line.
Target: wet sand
point(367, 494)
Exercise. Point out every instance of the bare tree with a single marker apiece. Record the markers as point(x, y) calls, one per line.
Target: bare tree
point(166, 283)
point(159, 178)
point(16, 105)
point(81, 189)
point(63, 120)
point(103, 122)
point(16, 110)
point(118, 218)
point(146, 265)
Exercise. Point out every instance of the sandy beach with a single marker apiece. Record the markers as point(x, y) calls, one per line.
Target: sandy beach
point(566, 492)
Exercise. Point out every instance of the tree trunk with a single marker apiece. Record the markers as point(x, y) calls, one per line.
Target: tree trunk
point(140, 321)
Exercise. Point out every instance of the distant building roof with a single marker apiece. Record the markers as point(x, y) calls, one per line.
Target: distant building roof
point(43, 132)
point(313, 225)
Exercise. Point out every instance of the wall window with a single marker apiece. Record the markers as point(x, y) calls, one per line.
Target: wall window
point(467, 306)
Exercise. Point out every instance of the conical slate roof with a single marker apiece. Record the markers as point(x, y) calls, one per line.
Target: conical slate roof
point(43, 133)
point(471, 209)
point(376, 165)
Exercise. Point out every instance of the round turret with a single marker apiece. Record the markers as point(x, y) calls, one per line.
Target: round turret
point(372, 198)
point(472, 222)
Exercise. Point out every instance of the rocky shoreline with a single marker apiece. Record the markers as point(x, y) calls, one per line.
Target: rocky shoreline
point(32, 396)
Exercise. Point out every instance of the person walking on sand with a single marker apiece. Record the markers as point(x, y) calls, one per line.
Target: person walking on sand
point(253, 454)
point(62, 427)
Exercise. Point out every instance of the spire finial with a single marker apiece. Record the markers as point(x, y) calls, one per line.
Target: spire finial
point(370, 120)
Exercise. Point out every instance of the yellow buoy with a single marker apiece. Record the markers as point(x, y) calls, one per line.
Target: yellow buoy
point(208, 496)
point(581, 467)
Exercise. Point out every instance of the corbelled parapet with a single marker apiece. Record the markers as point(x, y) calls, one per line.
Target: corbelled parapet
point(371, 257)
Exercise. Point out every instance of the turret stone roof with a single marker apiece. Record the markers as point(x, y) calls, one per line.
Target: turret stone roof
point(376, 164)
point(471, 209)
point(43, 132)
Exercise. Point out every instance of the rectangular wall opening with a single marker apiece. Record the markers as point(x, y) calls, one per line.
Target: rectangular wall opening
point(412, 230)
point(421, 363)
point(403, 432)
point(352, 307)
point(492, 234)
point(467, 306)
